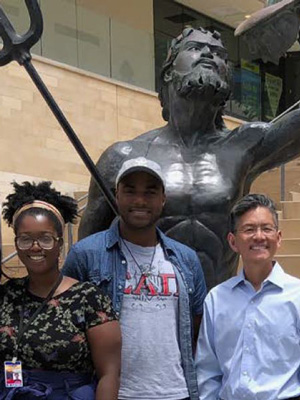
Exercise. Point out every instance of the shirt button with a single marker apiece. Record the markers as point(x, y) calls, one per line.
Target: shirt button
point(120, 286)
point(245, 373)
point(252, 301)
point(123, 262)
point(190, 290)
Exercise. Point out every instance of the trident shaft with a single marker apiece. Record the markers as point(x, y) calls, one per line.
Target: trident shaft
point(17, 47)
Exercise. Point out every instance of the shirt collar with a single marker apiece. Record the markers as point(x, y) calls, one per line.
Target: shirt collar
point(276, 277)
point(113, 236)
point(236, 280)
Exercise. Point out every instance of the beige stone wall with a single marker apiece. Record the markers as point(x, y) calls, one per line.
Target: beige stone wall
point(101, 112)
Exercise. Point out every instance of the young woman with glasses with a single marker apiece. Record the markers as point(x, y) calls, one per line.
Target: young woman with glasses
point(54, 331)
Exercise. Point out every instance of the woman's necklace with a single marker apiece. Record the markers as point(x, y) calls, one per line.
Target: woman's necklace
point(144, 268)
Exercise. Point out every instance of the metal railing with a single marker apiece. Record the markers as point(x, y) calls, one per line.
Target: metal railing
point(282, 167)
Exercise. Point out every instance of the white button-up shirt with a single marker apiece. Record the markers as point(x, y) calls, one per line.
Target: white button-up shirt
point(249, 342)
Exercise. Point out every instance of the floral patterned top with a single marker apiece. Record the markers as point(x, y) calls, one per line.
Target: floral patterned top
point(56, 339)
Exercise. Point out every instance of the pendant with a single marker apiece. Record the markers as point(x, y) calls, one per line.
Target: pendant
point(145, 270)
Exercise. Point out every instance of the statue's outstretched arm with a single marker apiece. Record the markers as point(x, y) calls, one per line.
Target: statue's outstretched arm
point(280, 142)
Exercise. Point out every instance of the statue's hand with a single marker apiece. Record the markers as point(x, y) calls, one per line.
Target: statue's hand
point(270, 32)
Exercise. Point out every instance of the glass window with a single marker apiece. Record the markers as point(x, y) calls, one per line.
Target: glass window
point(77, 33)
point(132, 55)
point(59, 40)
point(93, 41)
point(169, 18)
point(162, 44)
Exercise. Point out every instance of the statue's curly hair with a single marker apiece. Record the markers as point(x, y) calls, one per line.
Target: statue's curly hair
point(176, 44)
point(164, 77)
point(27, 192)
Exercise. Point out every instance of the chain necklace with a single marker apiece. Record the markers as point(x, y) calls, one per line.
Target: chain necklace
point(145, 268)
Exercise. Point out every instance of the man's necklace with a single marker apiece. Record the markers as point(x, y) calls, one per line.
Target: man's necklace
point(145, 268)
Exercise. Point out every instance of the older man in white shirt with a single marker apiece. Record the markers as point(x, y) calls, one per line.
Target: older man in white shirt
point(249, 342)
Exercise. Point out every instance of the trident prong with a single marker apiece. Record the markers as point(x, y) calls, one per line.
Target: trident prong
point(17, 47)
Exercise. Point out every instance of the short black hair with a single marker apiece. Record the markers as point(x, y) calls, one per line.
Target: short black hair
point(251, 202)
point(26, 193)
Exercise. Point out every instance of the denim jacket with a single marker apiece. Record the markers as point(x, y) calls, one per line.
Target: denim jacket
point(98, 258)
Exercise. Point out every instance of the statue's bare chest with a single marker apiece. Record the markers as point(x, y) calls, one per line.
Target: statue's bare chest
point(205, 173)
point(205, 181)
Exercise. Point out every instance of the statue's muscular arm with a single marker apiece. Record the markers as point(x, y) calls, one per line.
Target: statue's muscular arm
point(280, 143)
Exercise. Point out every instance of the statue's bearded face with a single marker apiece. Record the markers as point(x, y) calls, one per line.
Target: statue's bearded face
point(200, 68)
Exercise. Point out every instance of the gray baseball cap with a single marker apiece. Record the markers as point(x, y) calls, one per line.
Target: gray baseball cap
point(140, 164)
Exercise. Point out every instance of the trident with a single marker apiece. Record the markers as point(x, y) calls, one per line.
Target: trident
point(17, 47)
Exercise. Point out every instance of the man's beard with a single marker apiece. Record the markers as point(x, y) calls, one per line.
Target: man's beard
point(202, 82)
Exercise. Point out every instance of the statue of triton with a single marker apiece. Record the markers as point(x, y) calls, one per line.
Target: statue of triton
point(207, 167)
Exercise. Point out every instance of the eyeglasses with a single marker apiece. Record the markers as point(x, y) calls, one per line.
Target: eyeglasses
point(267, 230)
point(46, 242)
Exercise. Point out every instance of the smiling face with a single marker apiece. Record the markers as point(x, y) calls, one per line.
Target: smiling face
point(256, 238)
point(36, 259)
point(140, 199)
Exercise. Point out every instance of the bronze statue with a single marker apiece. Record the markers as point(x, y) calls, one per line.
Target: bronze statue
point(207, 167)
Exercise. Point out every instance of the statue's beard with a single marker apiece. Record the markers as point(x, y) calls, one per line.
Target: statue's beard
point(202, 82)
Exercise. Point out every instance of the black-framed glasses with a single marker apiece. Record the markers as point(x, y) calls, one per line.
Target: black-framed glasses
point(46, 242)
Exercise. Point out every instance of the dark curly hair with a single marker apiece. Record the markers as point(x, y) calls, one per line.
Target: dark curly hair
point(26, 193)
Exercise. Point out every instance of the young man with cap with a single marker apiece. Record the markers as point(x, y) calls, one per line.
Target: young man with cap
point(249, 342)
point(156, 284)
